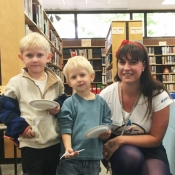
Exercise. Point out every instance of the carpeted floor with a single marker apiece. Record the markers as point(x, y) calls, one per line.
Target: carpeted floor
point(8, 169)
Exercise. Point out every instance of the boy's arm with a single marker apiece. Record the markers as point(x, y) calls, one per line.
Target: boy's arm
point(106, 114)
point(67, 142)
point(10, 116)
point(61, 99)
point(106, 120)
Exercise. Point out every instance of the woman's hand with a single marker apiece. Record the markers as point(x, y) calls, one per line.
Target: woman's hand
point(54, 111)
point(105, 135)
point(109, 148)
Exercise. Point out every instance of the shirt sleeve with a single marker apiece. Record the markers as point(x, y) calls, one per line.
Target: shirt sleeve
point(161, 101)
point(66, 117)
point(106, 113)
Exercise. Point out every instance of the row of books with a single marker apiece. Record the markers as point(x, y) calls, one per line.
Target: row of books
point(108, 41)
point(152, 60)
point(107, 78)
point(103, 70)
point(58, 72)
point(168, 50)
point(103, 59)
point(165, 60)
point(55, 57)
point(96, 88)
point(36, 13)
point(153, 69)
point(108, 60)
point(168, 60)
point(87, 53)
point(170, 87)
point(169, 78)
point(165, 50)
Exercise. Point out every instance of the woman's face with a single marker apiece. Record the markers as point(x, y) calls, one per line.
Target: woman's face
point(130, 70)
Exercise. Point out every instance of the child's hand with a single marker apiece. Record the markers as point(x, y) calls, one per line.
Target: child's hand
point(70, 153)
point(105, 135)
point(54, 111)
point(28, 134)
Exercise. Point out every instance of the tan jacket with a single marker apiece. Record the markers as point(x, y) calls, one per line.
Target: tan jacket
point(24, 89)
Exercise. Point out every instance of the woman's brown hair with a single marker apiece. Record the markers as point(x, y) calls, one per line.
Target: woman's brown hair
point(150, 87)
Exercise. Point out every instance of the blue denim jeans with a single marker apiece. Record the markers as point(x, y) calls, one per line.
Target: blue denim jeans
point(79, 167)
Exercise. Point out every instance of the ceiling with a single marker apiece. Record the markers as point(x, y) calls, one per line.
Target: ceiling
point(104, 5)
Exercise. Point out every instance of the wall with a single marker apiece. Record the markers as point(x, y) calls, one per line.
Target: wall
point(169, 139)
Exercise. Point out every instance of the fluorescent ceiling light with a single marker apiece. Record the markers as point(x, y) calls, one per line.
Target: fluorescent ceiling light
point(64, 2)
point(166, 2)
point(109, 2)
point(86, 2)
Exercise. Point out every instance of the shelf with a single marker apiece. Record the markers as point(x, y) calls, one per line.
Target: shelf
point(50, 64)
point(97, 70)
point(93, 55)
point(35, 28)
point(96, 82)
point(163, 57)
point(168, 82)
point(82, 47)
point(94, 59)
point(109, 67)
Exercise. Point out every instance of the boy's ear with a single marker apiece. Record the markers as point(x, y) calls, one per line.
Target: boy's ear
point(92, 77)
point(49, 57)
point(20, 57)
point(68, 82)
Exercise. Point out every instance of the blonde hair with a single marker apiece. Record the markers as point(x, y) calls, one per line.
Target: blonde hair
point(78, 62)
point(33, 40)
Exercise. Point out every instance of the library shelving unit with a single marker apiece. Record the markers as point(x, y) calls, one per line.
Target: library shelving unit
point(17, 18)
point(161, 52)
point(118, 31)
point(93, 50)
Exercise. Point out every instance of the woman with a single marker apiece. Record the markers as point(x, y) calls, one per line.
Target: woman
point(140, 113)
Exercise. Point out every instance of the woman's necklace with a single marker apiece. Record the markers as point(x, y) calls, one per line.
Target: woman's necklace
point(123, 115)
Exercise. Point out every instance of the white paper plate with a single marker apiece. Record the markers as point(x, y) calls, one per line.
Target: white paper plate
point(96, 131)
point(43, 104)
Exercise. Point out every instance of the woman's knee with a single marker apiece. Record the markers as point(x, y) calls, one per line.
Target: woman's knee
point(127, 159)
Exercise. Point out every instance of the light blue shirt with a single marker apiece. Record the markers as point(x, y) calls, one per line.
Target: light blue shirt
point(76, 117)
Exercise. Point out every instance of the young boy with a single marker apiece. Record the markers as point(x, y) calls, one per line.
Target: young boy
point(79, 113)
point(38, 130)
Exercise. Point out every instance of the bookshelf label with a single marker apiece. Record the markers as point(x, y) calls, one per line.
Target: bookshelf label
point(136, 30)
point(86, 42)
point(117, 30)
point(162, 43)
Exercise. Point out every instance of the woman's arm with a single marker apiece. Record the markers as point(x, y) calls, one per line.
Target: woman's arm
point(160, 121)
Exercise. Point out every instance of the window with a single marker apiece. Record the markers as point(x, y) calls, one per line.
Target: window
point(160, 24)
point(139, 16)
point(97, 25)
point(64, 24)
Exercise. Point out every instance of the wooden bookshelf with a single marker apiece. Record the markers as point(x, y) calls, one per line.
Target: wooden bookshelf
point(161, 52)
point(118, 31)
point(14, 20)
point(93, 53)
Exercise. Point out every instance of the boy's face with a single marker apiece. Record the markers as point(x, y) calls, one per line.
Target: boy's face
point(35, 59)
point(79, 79)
